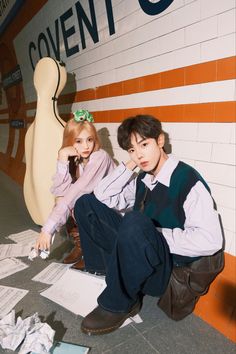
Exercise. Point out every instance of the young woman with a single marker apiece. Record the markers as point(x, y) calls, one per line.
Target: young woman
point(81, 165)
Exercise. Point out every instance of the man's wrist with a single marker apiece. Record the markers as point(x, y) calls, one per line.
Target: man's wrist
point(130, 165)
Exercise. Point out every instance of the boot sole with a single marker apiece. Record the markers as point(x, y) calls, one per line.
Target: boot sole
point(92, 332)
point(72, 262)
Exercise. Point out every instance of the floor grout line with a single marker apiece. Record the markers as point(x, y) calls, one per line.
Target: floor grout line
point(150, 345)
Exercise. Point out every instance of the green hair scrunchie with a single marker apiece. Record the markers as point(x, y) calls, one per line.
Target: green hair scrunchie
point(82, 115)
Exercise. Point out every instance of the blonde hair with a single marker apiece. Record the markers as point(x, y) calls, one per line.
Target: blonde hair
point(73, 129)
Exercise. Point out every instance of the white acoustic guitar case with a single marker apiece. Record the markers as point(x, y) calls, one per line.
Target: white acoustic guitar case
point(43, 139)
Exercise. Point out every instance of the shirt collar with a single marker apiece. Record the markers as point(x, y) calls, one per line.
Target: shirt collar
point(164, 175)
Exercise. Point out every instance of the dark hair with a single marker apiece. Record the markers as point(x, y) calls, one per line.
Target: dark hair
point(144, 125)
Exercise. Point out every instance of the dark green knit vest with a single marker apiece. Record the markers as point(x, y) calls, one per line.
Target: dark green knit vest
point(164, 205)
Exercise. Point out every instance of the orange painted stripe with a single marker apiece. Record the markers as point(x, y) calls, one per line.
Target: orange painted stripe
point(226, 68)
point(216, 70)
point(4, 111)
point(30, 105)
point(223, 110)
point(13, 168)
point(29, 119)
point(220, 112)
point(221, 69)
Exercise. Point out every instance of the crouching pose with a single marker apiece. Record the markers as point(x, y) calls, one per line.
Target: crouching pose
point(168, 219)
point(81, 151)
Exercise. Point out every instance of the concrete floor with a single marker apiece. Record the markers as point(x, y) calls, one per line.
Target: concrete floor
point(157, 333)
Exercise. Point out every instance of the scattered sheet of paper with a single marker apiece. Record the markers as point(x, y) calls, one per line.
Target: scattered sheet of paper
point(24, 237)
point(39, 338)
point(76, 291)
point(36, 336)
point(14, 250)
point(68, 348)
point(52, 273)
point(9, 297)
point(10, 266)
point(135, 319)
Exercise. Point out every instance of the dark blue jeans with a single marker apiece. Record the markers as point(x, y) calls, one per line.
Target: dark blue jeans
point(133, 254)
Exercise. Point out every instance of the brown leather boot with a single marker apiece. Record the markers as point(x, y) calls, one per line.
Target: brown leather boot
point(80, 265)
point(101, 321)
point(71, 227)
point(76, 253)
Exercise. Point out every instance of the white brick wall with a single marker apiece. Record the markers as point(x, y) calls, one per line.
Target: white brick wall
point(201, 31)
point(230, 242)
point(233, 135)
point(223, 153)
point(226, 23)
point(213, 7)
point(177, 131)
point(217, 173)
point(187, 32)
point(192, 150)
point(215, 132)
point(224, 195)
point(218, 48)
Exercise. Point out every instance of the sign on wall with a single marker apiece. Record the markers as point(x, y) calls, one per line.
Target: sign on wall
point(12, 78)
point(8, 10)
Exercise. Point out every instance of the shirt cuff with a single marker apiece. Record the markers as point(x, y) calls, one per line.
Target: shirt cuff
point(62, 166)
point(49, 227)
point(122, 169)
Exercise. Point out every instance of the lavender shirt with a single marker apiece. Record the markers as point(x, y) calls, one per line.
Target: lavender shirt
point(100, 164)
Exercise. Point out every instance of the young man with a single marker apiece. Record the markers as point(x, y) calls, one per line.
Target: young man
point(169, 219)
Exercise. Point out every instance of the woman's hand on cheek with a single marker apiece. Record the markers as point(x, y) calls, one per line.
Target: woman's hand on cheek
point(66, 152)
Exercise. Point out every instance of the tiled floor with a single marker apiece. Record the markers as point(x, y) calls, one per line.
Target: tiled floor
point(157, 333)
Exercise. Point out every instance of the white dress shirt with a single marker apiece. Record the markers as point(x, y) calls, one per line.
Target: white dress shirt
point(202, 234)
